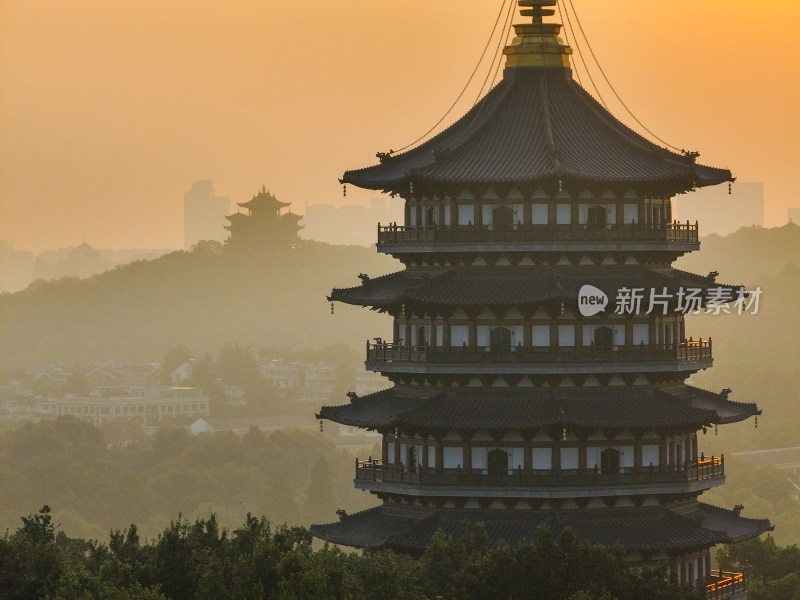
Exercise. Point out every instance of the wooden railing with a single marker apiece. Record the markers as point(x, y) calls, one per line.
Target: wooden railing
point(670, 232)
point(687, 351)
point(375, 471)
point(725, 585)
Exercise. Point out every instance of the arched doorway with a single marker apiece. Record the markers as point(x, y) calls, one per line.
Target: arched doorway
point(497, 462)
point(411, 458)
point(604, 339)
point(500, 338)
point(430, 215)
point(503, 217)
point(609, 461)
point(597, 217)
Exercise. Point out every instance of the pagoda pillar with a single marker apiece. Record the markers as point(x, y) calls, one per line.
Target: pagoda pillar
point(663, 451)
point(407, 214)
point(478, 212)
point(528, 454)
point(408, 333)
point(385, 450)
point(637, 451)
point(473, 332)
point(397, 458)
point(423, 462)
point(527, 213)
point(438, 455)
point(628, 333)
point(467, 452)
point(447, 339)
point(555, 464)
point(582, 452)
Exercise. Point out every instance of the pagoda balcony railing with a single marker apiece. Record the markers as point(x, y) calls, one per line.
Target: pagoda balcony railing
point(723, 585)
point(686, 351)
point(375, 471)
point(665, 232)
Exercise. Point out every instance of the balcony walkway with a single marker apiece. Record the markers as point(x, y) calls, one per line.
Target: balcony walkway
point(669, 232)
point(376, 471)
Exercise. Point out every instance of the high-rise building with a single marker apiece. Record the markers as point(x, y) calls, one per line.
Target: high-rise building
point(530, 387)
point(203, 214)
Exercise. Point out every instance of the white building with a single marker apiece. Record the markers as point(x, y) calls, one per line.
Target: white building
point(148, 410)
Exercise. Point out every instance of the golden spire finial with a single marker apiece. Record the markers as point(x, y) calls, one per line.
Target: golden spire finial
point(537, 43)
point(537, 10)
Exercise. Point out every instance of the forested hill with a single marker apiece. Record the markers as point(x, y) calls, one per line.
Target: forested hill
point(199, 299)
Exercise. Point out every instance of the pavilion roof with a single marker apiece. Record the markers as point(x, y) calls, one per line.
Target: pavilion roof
point(638, 407)
point(516, 286)
point(645, 529)
point(535, 127)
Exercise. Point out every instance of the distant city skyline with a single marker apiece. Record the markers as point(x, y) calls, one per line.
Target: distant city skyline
point(109, 110)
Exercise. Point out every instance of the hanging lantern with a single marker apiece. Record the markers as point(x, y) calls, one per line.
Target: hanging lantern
point(344, 190)
point(756, 421)
point(396, 432)
point(331, 307)
point(411, 187)
point(730, 189)
point(560, 186)
point(564, 433)
point(320, 426)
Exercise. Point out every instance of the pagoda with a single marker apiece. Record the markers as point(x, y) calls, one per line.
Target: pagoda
point(518, 397)
point(264, 225)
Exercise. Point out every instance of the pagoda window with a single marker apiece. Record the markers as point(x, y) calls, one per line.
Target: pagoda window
point(412, 216)
point(569, 458)
point(480, 457)
point(447, 215)
point(563, 214)
point(543, 458)
point(466, 214)
point(517, 458)
point(656, 212)
point(539, 214)
point(439, 335)
point(566, 335)
point(631, 213)
point(453, 457)
point(650, 455)
point(459, 335)
point(390, 453)
point(641, 334)
point(540, 336)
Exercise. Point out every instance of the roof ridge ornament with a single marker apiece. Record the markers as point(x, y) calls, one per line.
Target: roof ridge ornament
point(537, 10)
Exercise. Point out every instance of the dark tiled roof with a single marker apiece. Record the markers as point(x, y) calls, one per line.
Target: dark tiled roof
point(515, 286)
point(534, 408)
point(634, 529)
point(538, 125)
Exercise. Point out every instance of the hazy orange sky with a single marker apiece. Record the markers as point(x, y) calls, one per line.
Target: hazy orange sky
point(110, 109)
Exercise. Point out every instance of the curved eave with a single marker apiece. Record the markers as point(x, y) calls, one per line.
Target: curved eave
point(523, 409)
point(532, 129)
point(644, 530)
point(512, 286)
